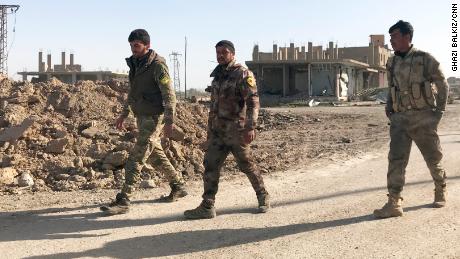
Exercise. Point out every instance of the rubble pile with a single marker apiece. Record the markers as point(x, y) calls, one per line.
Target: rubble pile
point(62, 137)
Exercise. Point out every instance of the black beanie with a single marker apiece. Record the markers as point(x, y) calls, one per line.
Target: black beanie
point(227, 44)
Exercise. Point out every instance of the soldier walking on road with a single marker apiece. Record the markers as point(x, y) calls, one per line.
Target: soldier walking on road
point(231, 128)
point(416, 103)
point(152, 100)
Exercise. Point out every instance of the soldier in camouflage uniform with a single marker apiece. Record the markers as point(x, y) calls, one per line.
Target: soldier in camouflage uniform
point(231, 128)
point(152, 100)
point(416, 103)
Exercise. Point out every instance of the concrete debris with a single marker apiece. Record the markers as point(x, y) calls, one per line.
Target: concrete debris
point(25, 179)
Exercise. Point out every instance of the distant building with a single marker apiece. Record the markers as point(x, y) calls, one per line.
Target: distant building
point(67, 73)
point(333, 72)
point(454, 84)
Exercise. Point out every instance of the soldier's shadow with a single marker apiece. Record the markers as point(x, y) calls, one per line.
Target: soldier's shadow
point(186, 242)
point(58, 223)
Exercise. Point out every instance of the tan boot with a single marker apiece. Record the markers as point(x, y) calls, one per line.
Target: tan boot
point(391, 209)
point(264, 202)
point(439, 198)
point(204, 211)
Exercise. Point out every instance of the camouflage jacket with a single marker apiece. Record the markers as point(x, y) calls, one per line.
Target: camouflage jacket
point(416, 82)
point(233, 97)
point(150, 90)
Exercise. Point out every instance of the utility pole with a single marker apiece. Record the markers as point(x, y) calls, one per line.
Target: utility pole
point(4, 11)
point(174, 58)
point(185, 69)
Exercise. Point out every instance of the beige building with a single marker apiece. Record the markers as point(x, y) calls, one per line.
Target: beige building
point(454, 84)
point(67, 73)
point(317, 71)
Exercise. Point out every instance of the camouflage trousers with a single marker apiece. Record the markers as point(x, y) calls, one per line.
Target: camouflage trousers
point(220, 144)
point(148, 144)
point(420, 127)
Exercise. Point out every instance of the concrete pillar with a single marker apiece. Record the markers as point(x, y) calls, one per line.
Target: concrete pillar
point(63, 60)
point(48, 63)
point(291, 52)
point(71, 59)
point(310, 51)
point(370, 54)
point(377, 56)
point(74, 77)
point(275, 52)
point(40, 61)
point(337, 82)
point(336, 52)
point(303, 55)
point(99, 76)
point(285, 80)
point(331, 50)
point(24, 77)
point(309, 87)
point(255, 53)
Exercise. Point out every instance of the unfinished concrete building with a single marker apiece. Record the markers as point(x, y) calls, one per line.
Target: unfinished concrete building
point(454, 84)
point(67, 73)
point(333, 72)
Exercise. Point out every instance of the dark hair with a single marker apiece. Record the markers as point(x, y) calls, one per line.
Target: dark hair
point(404, 27)
point(226, 44)
point(140, 35)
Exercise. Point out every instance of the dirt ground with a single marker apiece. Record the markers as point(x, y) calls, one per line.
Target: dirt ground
point(322, 208)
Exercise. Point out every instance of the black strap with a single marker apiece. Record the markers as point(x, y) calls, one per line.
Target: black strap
point(392, 72)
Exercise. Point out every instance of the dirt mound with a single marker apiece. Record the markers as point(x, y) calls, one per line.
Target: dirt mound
point(63, 135)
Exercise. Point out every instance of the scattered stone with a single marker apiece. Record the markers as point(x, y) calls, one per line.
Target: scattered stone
point(146, 184)
point(57, 146)
point(346, 140)
point(91, 132)
point(13, 133)
point(177, 134)
point(61, 177)
point(77, 178)
point(116, 159)
point(25, 180)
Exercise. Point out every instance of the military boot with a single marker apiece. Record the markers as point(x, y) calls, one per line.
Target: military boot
point(391, 209)
point(439, 197)
point(119, 206)
point(204, 211)
point(264, 202)
point(177, 191)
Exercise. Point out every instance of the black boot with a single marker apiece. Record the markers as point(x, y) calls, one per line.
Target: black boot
point(119, 206)
point(177, 191)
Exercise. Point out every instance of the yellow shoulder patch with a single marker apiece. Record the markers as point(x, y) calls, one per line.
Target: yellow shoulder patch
point(251, 81)
point(164, 80)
